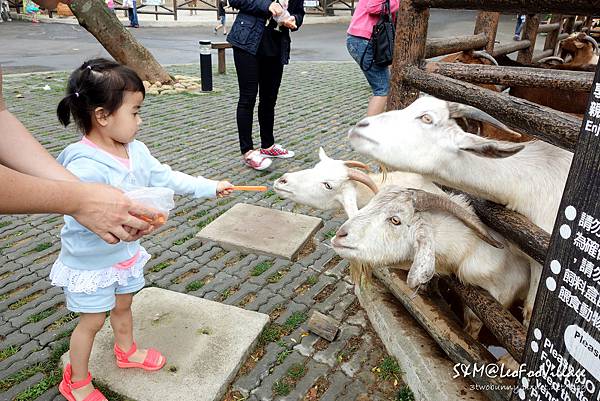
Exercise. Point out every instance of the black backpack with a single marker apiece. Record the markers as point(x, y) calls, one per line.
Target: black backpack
point(382, 39)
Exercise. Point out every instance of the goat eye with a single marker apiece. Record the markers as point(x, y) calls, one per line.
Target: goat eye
point(326, 185)
point(426, 118)
point(395, 220)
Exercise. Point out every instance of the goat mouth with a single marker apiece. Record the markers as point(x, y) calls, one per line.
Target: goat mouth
point(336, 245)
point(285, 191)
point(354, 134)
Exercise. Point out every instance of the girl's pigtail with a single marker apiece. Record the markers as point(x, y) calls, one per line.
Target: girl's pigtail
point(63, 111)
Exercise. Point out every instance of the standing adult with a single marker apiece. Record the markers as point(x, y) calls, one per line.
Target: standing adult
point(358, 43)
point(261, 48)
point(132, 13)
point(221, 16)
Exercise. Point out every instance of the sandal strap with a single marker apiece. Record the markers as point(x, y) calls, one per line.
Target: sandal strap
point(124, 356)
point(153, 357)
point(81, 383)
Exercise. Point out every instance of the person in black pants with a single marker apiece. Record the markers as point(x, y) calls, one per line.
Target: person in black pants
point(260, 50)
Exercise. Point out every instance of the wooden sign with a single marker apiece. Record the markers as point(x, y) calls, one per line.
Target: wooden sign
point(562, 353)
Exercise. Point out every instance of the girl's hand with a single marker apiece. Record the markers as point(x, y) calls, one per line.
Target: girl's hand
point(276, 9)
point(290, 23)
point(224, 188)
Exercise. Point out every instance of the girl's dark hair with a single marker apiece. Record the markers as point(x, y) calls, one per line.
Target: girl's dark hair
point(97, 83)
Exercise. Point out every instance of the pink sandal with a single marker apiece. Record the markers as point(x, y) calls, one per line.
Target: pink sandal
point(66, 387)
point(150, 363)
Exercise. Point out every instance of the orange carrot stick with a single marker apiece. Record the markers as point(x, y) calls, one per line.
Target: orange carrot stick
point(258, 188)
point(158, 220)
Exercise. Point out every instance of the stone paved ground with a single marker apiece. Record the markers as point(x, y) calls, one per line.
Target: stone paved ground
point(197, 134)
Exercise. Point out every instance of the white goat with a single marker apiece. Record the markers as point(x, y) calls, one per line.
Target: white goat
point(439, 234)
point(331, 184)
point(424, 138)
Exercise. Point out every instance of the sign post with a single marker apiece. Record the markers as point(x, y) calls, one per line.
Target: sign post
point(562, 354)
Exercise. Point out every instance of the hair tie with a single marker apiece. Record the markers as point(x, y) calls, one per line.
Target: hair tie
point(76, 94)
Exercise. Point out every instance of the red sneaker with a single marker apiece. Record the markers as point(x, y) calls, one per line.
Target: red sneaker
point(256, 160)
point(277, 151)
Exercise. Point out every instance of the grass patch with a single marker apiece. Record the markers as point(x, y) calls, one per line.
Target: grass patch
point(183, 240)
point(33, 392)
point(268, 193)
point(63, 320)
point(42, 247)
point(405, 394)
point(25, 300)
point(42, 315)
point(388, 369)
point(8, 352)
point(161, 266)
point(294, 321)
point(277, 276)
point(282, 355)
point(261, 268)
point(296, 371)
point(19, 377)
point(270, 334)
point(330, 234)
point(196, 285)
point(5, 224)
point(311, 280)
point(198, 215)
point(281, 387)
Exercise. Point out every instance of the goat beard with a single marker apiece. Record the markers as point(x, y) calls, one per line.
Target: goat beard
point(361, 273)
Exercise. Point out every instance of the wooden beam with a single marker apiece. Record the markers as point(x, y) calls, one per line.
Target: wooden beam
point(551, 27)
point(514, 76)
point(552, 126)
point(503, 325)
point(440, 47)
point(434, 315)
point(580, 7)
point(487, 23)
point(512, 225)
point(543, 54)
point(511, 47)
point(530, 30)
point(409, 49)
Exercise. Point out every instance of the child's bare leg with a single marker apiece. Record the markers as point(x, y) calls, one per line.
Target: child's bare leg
point(82, 340)
point(121, 321)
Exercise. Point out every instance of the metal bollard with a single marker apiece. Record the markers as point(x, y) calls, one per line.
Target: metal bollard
point(206, 65)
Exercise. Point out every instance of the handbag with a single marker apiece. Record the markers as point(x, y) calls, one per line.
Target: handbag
point(382, 39)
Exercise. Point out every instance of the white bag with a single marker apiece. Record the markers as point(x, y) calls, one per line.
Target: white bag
point(157, 198)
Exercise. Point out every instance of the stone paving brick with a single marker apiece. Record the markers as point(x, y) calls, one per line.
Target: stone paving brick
point(314, 371)
point(361, 356)
point(15, 390)
point(271, 304)
point(24, 351)
point(246, 383)
point(33, 359)
point(307, 298)
point(325, 306)
point(265, 391)
point(343, 303)
point(329, 355)
point(337, 384)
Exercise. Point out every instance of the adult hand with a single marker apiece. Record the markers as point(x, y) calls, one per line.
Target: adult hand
point(290, 23)
point(276, 9)
point(224, 188)
point(109, 213)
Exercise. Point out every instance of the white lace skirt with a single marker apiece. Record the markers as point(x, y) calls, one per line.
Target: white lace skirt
point(88, 281)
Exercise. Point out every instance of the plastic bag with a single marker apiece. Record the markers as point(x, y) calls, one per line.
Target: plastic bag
point(284, 16)
point(157, 198)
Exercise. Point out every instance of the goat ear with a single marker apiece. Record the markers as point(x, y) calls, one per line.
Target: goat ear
point(322, 155)
point(423, 266)
point(488, 148)
point(579, 45)
point(349, 200)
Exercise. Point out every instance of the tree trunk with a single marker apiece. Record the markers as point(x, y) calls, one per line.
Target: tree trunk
point(97, 19)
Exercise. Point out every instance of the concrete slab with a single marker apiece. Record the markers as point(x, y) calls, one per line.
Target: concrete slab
point(426, 369)
point(205, 344)
point(254, 229)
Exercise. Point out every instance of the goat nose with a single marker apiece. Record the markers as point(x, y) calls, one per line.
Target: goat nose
point(362, 124)
point(341, 233)
point(282, 180)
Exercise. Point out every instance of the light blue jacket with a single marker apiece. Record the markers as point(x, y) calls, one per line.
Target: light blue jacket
point(81, 248)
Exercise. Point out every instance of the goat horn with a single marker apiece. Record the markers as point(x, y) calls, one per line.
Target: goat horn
point(551, 58)
point(458, 110)
point(485, 55)
point(356, 164)
point(588, 38)
point(363, 178)
point(424, 201)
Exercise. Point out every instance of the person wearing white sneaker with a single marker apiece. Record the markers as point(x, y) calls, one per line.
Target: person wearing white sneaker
point(260, 52)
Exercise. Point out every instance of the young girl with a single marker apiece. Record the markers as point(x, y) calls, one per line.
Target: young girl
point(104, 98)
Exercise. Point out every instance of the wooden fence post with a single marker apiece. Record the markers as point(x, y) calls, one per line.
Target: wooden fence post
point(410, 42)
point(532, 24)
point(175, 9)
point(552, 38)
point(487, 23)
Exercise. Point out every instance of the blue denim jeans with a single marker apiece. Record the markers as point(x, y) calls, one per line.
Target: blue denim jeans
point(378, 77)
point(132, 13)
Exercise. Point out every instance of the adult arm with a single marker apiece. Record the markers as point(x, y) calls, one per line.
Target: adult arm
point(259, 8)
point(100, 208)
point(374, 6)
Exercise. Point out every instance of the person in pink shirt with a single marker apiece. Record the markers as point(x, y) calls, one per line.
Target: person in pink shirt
point(358, 43)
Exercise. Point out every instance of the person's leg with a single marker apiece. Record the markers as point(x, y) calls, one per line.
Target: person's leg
point(270, 71)
point(376, 105)
point(135, 17)
point(81, 343)
point(246, 66)
point(223, 22)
